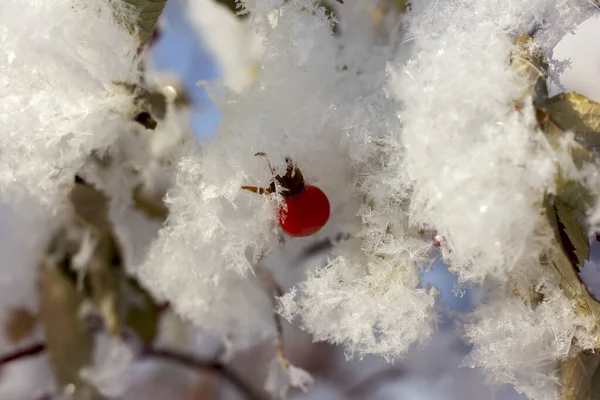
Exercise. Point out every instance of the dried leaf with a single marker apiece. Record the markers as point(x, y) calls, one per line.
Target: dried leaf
point(572, 193)
point(595, 385)
point(104, 271)
point(149, 11)
point(575, 112)
point(19, 324)
point(142, 312)
point(578, 375)
point(529, 63)
point(91, 205)
point(120, 299)
point(68, 341)
point(152, 208)
point(581, 116)
point(568, 252)
point(572, 234)
point(151, 104)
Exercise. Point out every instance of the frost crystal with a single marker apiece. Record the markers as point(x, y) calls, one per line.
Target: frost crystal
point(59, 61)
point(111, 370)
point(422, 135)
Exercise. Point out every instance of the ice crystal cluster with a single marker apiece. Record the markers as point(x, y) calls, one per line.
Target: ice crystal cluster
point(406, 119)
point(59, 62)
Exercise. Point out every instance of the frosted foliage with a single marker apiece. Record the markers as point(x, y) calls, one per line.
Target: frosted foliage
point(423, 134)
point(59, 59)
point(482, 189)
point(368, 312)
point(520, 346)
point(299, 106)
point(198, 261)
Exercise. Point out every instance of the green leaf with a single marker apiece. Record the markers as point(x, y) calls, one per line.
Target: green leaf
point(595, 385)
point(142, 313)
point(577, 114)
point(104, 268)
point(579, 377)
point(68, 341)
point(569, 251)
point(120, 299)
point(572, 193)
point(91, 205)
point(571, 233)
point(152, 207)
point(148, 13)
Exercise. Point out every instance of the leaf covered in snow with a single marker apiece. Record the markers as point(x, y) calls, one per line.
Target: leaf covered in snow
point(147, 13)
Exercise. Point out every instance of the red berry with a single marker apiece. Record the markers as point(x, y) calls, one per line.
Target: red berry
point(307, 207)
point(307, 212)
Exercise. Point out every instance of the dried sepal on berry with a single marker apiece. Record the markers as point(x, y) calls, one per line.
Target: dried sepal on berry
point(305, 209)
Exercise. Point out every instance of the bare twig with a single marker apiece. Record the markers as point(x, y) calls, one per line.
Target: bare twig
point(268, 279)
point(26, 352)
point(205, 365)
point(373, 382)
point(323, 246)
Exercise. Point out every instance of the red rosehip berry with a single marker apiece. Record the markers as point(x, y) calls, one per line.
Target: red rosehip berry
point(306, 208)
point(305, 213)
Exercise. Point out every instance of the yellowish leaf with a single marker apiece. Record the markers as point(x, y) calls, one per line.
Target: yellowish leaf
point(19, 324)
point(529, 64)
point(68, 341)
point(564, 257)
point(577, 375)
point(578, 114)
point(152, 207)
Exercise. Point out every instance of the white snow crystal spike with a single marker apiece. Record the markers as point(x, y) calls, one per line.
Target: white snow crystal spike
point(58, 102)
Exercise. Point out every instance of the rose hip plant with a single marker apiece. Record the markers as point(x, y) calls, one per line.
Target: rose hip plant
point(407, 131)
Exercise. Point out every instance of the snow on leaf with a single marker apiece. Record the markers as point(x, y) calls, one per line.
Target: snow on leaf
point(529, 63)
point(147, 12)
point(575, 112)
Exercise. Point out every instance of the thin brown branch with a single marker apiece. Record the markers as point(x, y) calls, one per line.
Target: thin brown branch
point(204, 365)
point(322, 246)
point(370, 384)
point(26, 352)
point(268, 279)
